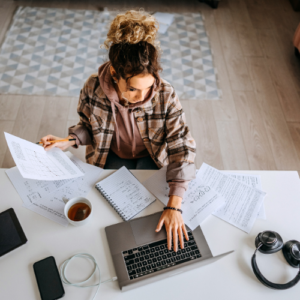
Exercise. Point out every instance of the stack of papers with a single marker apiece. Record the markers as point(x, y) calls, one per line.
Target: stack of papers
point(48, 198)
point(233, 197)
point(45, 181)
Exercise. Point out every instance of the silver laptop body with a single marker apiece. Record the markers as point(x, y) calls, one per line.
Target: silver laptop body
point(137, 234)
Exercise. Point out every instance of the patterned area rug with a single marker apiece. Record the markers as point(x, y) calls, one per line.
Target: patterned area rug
point(51, 51)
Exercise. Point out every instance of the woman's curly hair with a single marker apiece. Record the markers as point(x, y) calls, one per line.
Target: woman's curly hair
point(132, 45)
point(132, 27)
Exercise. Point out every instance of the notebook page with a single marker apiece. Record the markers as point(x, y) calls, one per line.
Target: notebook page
point(126, 193)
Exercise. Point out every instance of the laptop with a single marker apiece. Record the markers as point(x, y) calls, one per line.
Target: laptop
point(140, 255)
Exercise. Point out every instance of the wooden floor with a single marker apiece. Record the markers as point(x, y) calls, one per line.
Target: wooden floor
point(257, 123)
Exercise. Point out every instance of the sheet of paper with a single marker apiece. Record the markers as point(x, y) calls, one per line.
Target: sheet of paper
point(242, 201)
point(199, 200)
point(164, 20)
point(253, 181)
point(48, 199)
point(35, 189)
point(34, 162)
point(158, 186)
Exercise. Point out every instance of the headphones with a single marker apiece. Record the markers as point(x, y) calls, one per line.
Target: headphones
point(268, 242)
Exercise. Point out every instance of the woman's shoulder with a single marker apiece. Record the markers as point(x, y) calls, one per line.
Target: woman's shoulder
point(168, 92)
point(167, 89)
point(165, 86)
point(92, 87)
point(168, 99)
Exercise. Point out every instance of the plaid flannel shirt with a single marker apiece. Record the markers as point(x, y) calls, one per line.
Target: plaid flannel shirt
point(161, 123)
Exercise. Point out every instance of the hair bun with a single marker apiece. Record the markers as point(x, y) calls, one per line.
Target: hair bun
point(132, 27)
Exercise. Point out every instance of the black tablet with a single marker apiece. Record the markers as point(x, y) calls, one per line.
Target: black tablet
point(11, 233)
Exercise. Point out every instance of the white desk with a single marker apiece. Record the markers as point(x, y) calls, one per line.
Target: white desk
point(229, 278)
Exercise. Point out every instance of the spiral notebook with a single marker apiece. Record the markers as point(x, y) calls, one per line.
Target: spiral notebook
point(125, 193)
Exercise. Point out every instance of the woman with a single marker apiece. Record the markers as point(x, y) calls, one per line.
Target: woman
point(130, 116)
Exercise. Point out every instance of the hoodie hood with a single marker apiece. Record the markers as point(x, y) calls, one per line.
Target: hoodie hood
point(106, 83)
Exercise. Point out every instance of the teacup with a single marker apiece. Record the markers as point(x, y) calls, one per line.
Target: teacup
point(78, 211)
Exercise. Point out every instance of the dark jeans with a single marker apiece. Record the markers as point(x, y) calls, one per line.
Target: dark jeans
point(113, 161)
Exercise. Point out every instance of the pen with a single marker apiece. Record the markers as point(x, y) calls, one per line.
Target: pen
point(52, 142)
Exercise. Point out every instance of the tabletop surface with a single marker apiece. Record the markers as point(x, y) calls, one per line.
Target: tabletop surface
point(228, 278)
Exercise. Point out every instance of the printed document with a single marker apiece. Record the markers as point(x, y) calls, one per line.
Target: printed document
point(48, 198)
point(34, 162)
point(243, 202)
point(199, 200)
point(253, 181)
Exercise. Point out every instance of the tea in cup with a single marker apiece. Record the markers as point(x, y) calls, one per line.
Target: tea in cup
point(78, 211)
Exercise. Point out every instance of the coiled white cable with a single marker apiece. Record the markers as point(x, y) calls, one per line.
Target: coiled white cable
point(79, 284)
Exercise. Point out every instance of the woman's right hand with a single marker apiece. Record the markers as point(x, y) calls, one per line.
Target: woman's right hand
point(61, 145)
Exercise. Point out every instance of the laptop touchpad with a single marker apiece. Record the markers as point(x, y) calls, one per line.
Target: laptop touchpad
point(144, 229)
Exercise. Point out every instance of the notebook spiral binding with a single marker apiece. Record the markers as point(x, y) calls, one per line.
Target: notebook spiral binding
point(111, 202)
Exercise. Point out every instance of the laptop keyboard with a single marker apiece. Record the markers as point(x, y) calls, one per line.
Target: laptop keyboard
point(154, 257)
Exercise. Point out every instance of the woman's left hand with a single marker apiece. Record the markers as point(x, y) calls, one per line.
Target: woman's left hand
point(174, 224)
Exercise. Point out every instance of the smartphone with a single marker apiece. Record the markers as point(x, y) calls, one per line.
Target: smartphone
point(48, 279)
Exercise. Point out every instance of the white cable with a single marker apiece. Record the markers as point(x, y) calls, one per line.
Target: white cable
point(79, 284)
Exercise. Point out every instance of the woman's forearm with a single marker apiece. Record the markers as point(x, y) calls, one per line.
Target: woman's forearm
point(175, 201)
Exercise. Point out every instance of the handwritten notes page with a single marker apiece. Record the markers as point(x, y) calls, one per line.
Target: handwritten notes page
point(199, 200)
point(34, 162)
point(48, 198)
point(125, 193)
point(243, 202)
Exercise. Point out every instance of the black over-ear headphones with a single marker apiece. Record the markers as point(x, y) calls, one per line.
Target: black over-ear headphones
point(268, 242)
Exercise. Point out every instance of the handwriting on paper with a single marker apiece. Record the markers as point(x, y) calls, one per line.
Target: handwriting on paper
point(48, 197)
point(125, 193)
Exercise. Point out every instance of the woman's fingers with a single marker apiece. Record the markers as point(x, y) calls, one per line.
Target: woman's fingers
point(175, 239)
point(45, 140)
point(169, 238)
point(168, 229)
point(49, 146)
point(185, 232)
point(160, 224)
point(180, 235)
point(175, 230)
